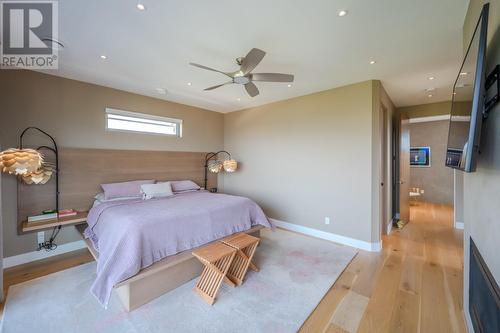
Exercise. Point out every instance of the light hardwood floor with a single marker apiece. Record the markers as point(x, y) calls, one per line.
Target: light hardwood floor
point(413, 285)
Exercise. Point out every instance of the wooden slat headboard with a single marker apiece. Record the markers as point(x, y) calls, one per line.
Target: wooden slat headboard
point(83, 170)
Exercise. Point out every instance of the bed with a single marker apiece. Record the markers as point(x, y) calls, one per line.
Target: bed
point(143, 247)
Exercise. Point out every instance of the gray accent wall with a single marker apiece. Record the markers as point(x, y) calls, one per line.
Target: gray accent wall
point(436, 180)
point(74, 113)
point(482, 188)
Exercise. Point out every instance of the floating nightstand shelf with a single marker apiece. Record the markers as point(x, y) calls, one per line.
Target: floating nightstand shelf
point(79, 218)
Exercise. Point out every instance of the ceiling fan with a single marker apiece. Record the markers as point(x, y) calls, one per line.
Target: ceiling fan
point(245, 76)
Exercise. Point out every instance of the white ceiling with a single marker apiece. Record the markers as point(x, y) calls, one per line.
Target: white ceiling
point(410, 40)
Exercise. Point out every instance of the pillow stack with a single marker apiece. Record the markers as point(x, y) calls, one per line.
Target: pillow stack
point(145, 189)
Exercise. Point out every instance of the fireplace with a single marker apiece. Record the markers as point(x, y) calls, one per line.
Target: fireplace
point(484, 295)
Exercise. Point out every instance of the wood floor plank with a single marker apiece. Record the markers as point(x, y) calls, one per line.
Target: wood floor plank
point(382, 302)
point(367, 269)
point(434, 307)
point(350, 311)
point(411, 275)
point(332, 328)
point(319, 320)
point(405, 316)
point(453, 289)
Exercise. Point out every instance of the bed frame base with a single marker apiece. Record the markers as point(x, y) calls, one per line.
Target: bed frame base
point(159, 278)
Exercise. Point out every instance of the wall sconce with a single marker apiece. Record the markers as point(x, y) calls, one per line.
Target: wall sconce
point(20, 161)
point(214, 165)
point(28, 164)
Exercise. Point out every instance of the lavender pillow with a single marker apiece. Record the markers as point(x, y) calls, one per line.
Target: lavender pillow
point(184, 185)
point(125, 189)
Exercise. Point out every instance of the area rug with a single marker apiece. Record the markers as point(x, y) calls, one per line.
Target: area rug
point(296, 272)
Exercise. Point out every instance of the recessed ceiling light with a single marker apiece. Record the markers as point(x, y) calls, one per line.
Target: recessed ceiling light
point(342, 13)
point(238, 99)
point(430, 95)
point(162, 91)
point(372, 62)
point(141, 6)
point(463, 73)
point(289, 86)
point(189, 83)
point(430, 89)
point(103, 57)
point(431, 77)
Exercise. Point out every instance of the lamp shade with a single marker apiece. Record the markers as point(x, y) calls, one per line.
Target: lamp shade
point(40, 176)
point(230, 165)
point(215, 166)
point(20, 161)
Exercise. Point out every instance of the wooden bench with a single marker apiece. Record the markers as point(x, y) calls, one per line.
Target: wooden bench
point(217, 259)
point(245, 246)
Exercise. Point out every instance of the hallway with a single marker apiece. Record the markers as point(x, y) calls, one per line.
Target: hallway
point(413, 285)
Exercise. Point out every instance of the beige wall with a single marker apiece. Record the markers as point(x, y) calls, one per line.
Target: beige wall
point(427, 110)
point(382, 195)
point(73, 112)
point(481, 208)
point(310, 157)
point(436, 180)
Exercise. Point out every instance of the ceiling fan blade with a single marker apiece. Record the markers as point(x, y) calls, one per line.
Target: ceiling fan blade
point(272, 77)
point(208, 68)
point(217, 86)
point(252, 89)
point(253, 58)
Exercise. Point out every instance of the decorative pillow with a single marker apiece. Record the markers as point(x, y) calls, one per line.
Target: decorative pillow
point(125, 189)
point(184, 185)
point(160, 190)
point(100, 197)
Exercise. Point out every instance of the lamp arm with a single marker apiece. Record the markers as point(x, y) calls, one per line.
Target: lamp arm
point(211, 155)
point(208, 157)
point(40, 130)
point(54, 150)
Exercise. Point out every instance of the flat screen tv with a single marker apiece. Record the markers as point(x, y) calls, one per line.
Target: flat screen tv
point(468, 102)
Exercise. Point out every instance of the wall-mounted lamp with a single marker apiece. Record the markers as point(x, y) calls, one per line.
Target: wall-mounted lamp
point(28, 164)
point(214, 165)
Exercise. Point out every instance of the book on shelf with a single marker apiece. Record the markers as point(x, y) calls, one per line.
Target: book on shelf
point(51, 215)
point(67, 212)
point(42, 217)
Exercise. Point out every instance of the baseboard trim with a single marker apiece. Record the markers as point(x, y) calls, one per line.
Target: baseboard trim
point(389, 227)
point(459, 225)
point(367, 246)
point(39, 255)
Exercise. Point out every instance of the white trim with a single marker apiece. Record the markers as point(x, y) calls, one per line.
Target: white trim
point(438, 118)
point(430, 118)
point(39, 255)
point(367, 246)
point(459, 225)
point(389, 227)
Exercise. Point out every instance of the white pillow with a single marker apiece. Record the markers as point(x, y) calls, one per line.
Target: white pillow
point(160, 190)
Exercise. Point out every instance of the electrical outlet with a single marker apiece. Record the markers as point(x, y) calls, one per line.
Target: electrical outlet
point(327, 220)
point(40, 237)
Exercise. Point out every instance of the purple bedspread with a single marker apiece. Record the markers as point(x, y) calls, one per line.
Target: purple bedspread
point(133, 234)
